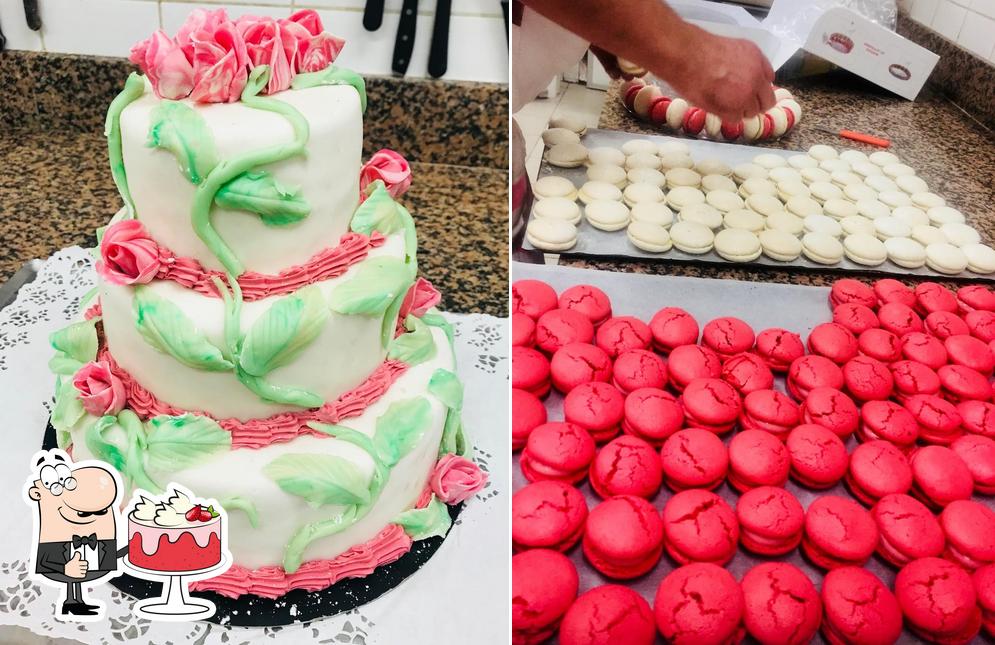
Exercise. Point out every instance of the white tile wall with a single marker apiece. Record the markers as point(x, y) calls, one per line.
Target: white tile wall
point(477, 43)
point(969, 23)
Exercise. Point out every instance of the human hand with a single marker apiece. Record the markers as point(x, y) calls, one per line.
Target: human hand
point(610, 62)
point(729, 77)
point(77, 566)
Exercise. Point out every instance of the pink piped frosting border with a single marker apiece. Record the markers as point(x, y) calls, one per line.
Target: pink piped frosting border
point(256, 433)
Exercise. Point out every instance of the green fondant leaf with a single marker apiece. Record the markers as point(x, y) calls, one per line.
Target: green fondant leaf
point(400, 428)
point(68, 411)
point(332, 75)
point(89, 295)
point(74, 345)
point(102, 446)
point(302, 537)
point(134, 87)
point(177, 127)
point(421, 523)
point(446, 387)
point(347, 434)
point(378, 212)
point(452, 434)
point(375, 285)
point(175, 443)
point(260, 193)
point(237, 503)
point(164, 326)
point(433, 318)
point(282, 333)
point(388, 326)
point(320, 479)
point(285, 394)
point(414, 347)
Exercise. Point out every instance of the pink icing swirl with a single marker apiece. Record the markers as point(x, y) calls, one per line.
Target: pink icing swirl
point(256, 433)
point(94, 311)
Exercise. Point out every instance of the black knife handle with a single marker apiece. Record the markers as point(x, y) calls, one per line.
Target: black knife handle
point(373, 15)
point(31, 14)
point(405, 42)
point(438, 54)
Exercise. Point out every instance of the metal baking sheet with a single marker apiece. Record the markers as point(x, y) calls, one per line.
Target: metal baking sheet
point(598, 243)
point(762, 305)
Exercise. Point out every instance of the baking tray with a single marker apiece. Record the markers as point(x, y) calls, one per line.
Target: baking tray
point(593, 242)
point(795, 307)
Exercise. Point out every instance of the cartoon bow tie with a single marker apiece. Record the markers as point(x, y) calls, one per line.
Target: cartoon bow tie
point(89, 540)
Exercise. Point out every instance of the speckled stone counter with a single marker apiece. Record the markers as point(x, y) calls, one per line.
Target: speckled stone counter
point(952, 152)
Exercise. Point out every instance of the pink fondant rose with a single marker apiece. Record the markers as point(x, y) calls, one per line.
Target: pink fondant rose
point(220, 64)
point(390, 168)
point(127, 254)
point(421, 297)
point(456, 479)
point(100, 391)
point(316, 49)
point(167, 67)
point(272, 43)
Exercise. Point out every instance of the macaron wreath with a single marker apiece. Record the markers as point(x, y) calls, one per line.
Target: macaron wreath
point(647, 102)
point(889, 404)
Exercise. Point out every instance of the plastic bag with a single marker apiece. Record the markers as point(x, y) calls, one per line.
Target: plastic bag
point(793, 19)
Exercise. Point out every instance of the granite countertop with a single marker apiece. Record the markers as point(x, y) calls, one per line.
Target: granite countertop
point(951, 151)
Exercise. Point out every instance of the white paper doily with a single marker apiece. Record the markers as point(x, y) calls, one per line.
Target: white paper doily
point(459, 595)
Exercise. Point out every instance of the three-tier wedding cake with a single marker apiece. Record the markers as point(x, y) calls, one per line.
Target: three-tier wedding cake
point(259, 333)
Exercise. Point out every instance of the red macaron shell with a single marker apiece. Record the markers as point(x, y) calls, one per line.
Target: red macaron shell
point(523, 330)
point(923, 348)
point(597, 407)
point(694, 458)
point(809, 372)
point(532, 298)
point(560, 327)
point(960, 383)
point(855, 317)
point(768, 126)
point(779, 348)
point(626, 465)
point(832, 410)
point(630, 95)
point(782, 605)
point(939, 421)
point(689, 362)
point(547, 515)
point(588, 300)
point(530, 371)
point(977, 417)
point(834, 341)
point(850, 290)
point(623, 538)
point(579, 363)
point(658, 110)
point(652, 415)
point(938, 600)
point(757, 458)
point(711, 404)
point(868, 379)
point(877, 468)
point(839, 532)
point(939, 476)
point(975, 297)
point(527, 414)
point(694, 121)
point(639, 368)
point(732, 130)
point(891, 290)
point(672, 327)
point(544, 584)
point(747, 373)
point(880, 344)
point(970, 530)
point(908, 530)
point(770, 520)
point(557, 450)
point(984, 586)
point(700, 527)
point(771, 411)
point(727, 336)
point(931, 297)
point(818, 456)
point(981, 324)
point(859, 609)
point(978, 452)
point(699, 604)
point(971, 352)
point(889, 421)
point(607, 615)
point(912, 377)
point(622, 333)
point(944, 324)
point(899, 319)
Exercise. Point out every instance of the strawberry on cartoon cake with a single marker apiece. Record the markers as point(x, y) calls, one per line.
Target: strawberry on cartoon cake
point(175, 535)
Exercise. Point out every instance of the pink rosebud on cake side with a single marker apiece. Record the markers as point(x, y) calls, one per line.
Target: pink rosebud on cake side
point(163, 61)
point(100, 391)
point(456, 479)
point(127, 254)
point(390, 168)
point(421, 297)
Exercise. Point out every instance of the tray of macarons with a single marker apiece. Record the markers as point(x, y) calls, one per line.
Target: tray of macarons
point(618, 194)
point(707, 461)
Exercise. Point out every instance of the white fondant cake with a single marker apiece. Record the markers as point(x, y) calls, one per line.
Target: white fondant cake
point(259, 334)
